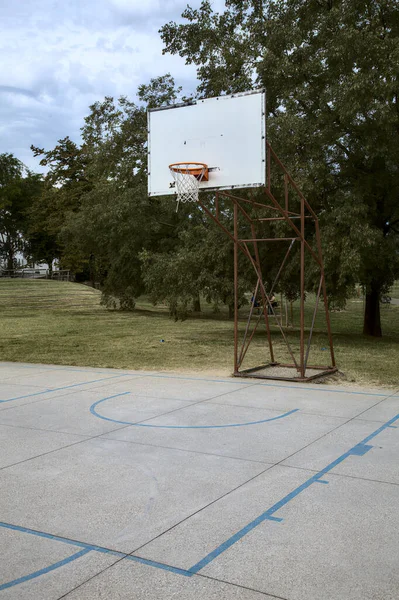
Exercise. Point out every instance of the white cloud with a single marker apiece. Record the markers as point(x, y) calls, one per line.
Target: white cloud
point(58, 57)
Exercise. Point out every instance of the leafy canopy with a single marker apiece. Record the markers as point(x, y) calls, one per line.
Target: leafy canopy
point(330, 68)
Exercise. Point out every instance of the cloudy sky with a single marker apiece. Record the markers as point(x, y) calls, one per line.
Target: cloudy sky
point(59, 56)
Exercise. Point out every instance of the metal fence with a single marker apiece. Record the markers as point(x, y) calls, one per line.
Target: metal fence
point(62, 275)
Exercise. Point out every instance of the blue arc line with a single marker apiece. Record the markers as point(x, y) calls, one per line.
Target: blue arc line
point(63, 388)
point(358, 450)
point(96, 414)
point(48, 569)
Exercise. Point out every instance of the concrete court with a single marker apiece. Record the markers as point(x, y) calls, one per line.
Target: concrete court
point(133, 485)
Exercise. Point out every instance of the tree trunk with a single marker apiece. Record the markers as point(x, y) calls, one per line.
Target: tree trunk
point(372, 317)
point(50, 267)
point(10, 258)
point(92, 271)
point(231, 311)
point(197, 304)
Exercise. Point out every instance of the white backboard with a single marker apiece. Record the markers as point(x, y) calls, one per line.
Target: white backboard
point(227, 133)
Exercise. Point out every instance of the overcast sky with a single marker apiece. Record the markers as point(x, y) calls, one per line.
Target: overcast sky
point(60, 56)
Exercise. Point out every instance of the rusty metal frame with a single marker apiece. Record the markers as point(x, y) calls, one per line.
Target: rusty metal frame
point(241, 245)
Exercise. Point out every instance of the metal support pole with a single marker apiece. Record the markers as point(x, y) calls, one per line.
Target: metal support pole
point(325, 293)
point(302, 326)
point(268, 151)
point(283, 214)
point(313, 321)
point(235, 289)
point(286, 191)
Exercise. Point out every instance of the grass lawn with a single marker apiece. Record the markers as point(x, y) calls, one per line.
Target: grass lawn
point(64, 323)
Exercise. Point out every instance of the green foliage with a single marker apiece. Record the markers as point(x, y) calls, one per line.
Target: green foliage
point(110, 220)
point(330, 70)
point(200, 265)
point(18, 188)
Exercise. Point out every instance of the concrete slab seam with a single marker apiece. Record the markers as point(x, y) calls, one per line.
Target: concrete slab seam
point(96, 414)
point(65, 387)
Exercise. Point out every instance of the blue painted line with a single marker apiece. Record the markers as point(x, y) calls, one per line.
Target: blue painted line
point(57, 538)
point(277, 519)
point(157, 565)
point(322, 481)
point(393, 426)
point(269, 512)
point(360, 449)
point(96, 414)
point(85, 549)
point(65, 387)
point(48, 569)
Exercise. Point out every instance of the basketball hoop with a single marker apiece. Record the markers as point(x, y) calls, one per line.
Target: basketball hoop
point(187, 176)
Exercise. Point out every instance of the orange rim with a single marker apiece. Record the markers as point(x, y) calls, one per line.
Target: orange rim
point(197, 170)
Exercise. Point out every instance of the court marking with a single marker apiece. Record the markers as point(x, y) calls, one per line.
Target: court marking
point(96, 414)
point(359, 449)
point(65, 387)
point(86, 548)
point(48, 569)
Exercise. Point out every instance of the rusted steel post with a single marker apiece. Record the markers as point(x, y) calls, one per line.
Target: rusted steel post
point(286, 191)
point(235, 288)
point(269, 239)
point(318, 240)
point(302, 317)
point(313, 321)
point(268, 165)
point(257, 204)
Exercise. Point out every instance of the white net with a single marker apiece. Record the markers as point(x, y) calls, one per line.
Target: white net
point(187, 178)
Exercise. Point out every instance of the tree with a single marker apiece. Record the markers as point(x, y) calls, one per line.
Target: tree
point(43, 227)
point(200, 264)
point(115, 219)
point(330, 70)
point(18, 187)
